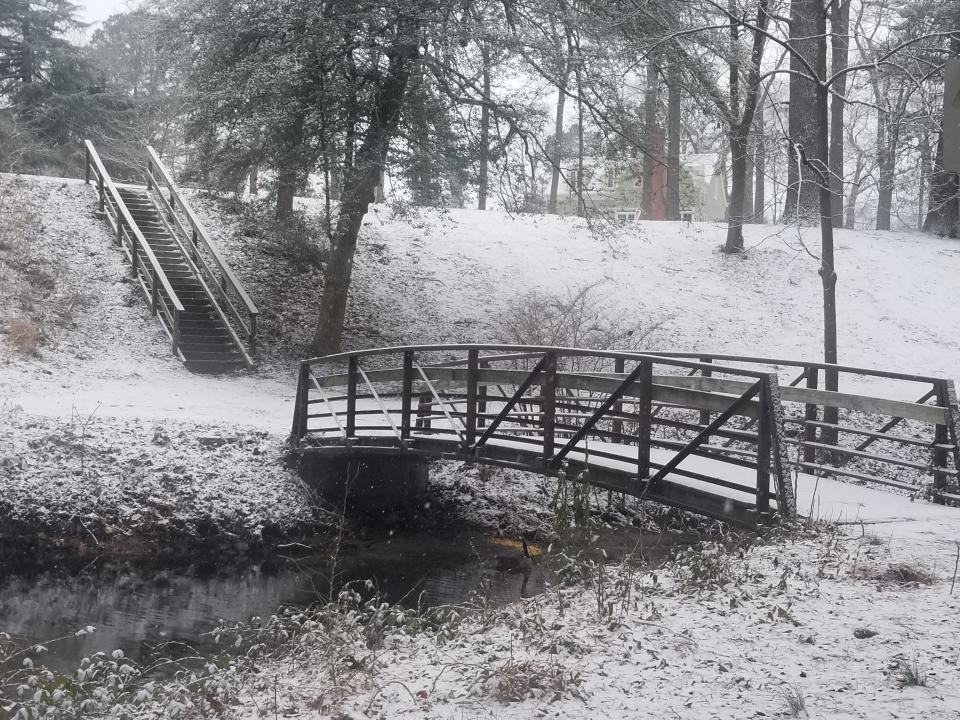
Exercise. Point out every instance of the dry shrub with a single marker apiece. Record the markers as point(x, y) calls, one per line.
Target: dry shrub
point(899, 574)
point(580, 317)
point(516, 681)
point(24, 336)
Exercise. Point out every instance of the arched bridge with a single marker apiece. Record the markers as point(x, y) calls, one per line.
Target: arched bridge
point(717, 435)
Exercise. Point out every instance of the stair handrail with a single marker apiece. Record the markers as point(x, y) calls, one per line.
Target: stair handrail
point(201, 237)
point(180, 236)
point(105, 185)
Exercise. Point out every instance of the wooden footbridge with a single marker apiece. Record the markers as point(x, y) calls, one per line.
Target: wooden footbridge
point(201, 306)
point(724, 436)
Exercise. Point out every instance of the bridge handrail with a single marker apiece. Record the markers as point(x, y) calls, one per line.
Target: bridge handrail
point(105, 186)
point(771, 362)
point(527, 351)
point(847, 369)
point(202, 238)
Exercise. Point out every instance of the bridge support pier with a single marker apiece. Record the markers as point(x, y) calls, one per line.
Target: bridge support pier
point(367, 483)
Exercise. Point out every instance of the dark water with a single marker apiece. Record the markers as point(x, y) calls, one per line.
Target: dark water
point(146, 613)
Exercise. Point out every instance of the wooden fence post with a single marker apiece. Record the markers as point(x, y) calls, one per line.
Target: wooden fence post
point(644, 419)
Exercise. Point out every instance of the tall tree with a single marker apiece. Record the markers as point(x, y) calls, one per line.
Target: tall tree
point(801, 203)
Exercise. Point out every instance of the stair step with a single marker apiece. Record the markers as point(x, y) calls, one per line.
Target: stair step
point(196, 349)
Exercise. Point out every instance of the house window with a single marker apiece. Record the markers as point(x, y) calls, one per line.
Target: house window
point(686, 216)
point(626, 215)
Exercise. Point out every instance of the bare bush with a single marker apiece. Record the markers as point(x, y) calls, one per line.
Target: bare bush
point(299, 238)
point(580, 317)
point(23, 336)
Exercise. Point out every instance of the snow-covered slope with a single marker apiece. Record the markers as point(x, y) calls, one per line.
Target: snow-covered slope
point(449, 276)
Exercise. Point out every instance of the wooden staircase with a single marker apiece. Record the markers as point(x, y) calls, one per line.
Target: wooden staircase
point(190, 288)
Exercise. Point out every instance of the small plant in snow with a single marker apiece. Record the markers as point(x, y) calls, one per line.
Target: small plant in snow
point(911, 673)
point(571, 505)
point(706, 566)
point(794, 702)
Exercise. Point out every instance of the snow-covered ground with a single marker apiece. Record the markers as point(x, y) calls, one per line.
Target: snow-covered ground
point(783, 622)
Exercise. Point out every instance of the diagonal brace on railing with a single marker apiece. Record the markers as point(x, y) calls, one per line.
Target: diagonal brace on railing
point(501, 416)
point(890, 425)
point(705, 433)
point(376, 397)
point(597, 416)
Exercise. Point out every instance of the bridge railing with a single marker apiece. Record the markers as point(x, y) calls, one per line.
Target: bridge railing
point(633, 419)
point(147, 270)
point(864, 424)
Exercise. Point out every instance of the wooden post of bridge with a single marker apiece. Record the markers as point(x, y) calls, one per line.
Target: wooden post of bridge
point(473, 378)
point(301, 404)
point(811, 415)
point(406, 396)
point(482, 398)
point(765, 420)
point(618, 368)
point(549, 406)
point(952, 410)
point(644, 419)
point(947, 399)
point(352, 366)
point(705, 414)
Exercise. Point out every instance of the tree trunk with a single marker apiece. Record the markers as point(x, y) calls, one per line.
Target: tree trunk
point(673, 146)
point(925, 171)
point(649, 138)
point(483, 180)
point(944, 214)
point(740, 128)
point(581, 186)
point(828, 275)
point(887, 140)
point(850, 221)
point(358, 193)
point(254, 180)
point(748, 183)
point(738, 190)
point(801, 199)
point(840, 43)
point(760, 163)
point(286, 191)
point(558, 141)
point(288, 174)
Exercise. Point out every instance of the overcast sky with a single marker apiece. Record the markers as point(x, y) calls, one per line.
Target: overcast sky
point(99, 10)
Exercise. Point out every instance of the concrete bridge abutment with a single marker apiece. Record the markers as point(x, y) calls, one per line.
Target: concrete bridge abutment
point(367, 483)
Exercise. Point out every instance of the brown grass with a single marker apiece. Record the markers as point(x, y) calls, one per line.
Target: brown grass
point(24, 336)
point(898, 574)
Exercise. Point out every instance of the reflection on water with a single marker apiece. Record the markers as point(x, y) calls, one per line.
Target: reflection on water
point(139, 611)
